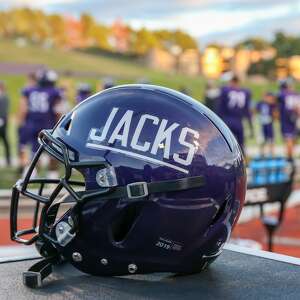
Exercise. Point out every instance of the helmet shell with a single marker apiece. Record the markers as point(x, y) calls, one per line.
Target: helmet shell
point(179, 138)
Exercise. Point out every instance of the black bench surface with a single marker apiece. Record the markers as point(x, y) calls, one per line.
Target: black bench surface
point(233, 275)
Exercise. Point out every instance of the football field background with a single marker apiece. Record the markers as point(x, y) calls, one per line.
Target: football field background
point(77, 66)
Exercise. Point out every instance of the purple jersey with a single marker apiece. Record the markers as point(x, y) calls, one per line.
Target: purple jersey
point(265, 111)
point(234, 105)
point(41, 102)
point(289, 103)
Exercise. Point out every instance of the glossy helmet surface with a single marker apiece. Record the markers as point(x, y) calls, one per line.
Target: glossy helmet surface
point(164, 183)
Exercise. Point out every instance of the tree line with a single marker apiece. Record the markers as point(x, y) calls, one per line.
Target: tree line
point(38, 27)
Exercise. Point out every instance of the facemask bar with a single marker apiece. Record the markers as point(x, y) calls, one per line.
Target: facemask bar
point(59, 151)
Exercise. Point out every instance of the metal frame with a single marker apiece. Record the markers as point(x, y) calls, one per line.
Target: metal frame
point(61, 153)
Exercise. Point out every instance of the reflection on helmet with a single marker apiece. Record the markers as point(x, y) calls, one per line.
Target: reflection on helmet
point(163, 185)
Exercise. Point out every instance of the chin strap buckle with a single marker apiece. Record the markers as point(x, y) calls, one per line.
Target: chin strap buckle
point(137, 190)
point(34, 276)
point(32, 279)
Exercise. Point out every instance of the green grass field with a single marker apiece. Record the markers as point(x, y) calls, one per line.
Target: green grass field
point(124, 70)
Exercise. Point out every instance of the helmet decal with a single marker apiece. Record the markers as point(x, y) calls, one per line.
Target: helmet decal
point(100, 139)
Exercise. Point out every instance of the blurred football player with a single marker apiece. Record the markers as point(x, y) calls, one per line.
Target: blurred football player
point(289, 108)
point(211, 95)
point(84, 90)
point(107, 83)
point(235, 105)
point(4, 110)
point(266, 110)
point(37, 111)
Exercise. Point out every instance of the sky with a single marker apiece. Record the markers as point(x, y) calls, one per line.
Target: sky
point(222, 21)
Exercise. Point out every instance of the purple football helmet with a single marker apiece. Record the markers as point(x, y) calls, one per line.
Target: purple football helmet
point(163, 185)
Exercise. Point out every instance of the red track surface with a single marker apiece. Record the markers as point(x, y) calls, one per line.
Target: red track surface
point(290, 228)
point(253, 230)
point(5, 230)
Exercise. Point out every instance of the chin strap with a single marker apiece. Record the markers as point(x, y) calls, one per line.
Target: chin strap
point(142, 189)
point(34, 276)
point(36, 273)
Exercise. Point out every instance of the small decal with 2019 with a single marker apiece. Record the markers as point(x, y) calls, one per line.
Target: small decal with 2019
point(168, 244)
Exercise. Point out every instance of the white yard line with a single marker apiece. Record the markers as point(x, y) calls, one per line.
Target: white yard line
point(287, 241)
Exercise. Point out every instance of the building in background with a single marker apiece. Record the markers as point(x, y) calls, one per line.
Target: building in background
point(189, 62)
point(212, 63)
point(294, 66)
point(160, 59)
point(241, 63)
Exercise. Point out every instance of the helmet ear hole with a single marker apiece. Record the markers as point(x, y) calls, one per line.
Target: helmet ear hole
point(219, 213)
point(124, 221)
point(67, 125)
